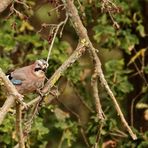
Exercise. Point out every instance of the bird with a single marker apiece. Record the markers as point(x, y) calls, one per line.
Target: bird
point(29, 78)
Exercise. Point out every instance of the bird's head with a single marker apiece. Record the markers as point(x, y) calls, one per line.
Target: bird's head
point(41, 65)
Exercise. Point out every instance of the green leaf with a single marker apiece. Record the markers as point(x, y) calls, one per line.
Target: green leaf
point(141, 30)
point(114, 65)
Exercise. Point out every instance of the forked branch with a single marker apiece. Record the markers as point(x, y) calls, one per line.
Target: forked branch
point(12, 96)
point(82, 33)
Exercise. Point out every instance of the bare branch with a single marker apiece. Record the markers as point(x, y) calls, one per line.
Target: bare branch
point(55, 34)
point(99, 110)
point(82, 100)
point(101, 115)
point(84, 39)
point(82, 33)
point(28, 124)
point(132, 107)
point(56, 8)
point(19, 130)
point(4, 4)
point(13, 94)
point(50, 83)
point(6, 106)
point(110, 7)
point(54, 78)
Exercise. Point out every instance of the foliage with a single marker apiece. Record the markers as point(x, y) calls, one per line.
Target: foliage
point(118, 77)
point(73, 124)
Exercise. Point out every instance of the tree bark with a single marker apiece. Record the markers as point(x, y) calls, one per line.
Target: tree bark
point(4, 4)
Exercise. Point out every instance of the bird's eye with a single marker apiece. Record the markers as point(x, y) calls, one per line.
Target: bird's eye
point(37, 65)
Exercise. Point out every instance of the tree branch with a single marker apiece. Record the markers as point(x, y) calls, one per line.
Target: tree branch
point(85, 42)
point(13, 94)
point(54, 78)
point(54, 36)
point(50, 83)
point(82, 33)
point(99, 110)
point(4, 4)
point(19, 130)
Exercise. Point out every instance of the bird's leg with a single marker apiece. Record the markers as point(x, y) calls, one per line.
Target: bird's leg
point(42, 95)
point(38, 90)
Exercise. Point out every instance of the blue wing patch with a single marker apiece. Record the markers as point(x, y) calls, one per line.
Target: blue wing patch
point(16, 82)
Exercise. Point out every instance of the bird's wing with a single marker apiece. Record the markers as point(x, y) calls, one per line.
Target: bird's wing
point(18, 76)
point(16, 82)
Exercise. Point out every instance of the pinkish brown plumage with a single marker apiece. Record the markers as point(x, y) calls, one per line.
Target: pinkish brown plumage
point(29, 78)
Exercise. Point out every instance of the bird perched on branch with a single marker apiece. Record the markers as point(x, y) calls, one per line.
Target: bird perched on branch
point(29, 78)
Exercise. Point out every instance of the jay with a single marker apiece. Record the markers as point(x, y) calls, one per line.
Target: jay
point(29, 78)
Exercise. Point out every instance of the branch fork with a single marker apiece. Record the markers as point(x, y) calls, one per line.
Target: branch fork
point(82, 33)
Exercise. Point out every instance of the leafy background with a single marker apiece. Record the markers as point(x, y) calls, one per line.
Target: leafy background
point(70, 120)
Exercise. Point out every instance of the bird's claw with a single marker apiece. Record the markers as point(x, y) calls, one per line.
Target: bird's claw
point(20, 99)
point(40, 93)
point(25, 106)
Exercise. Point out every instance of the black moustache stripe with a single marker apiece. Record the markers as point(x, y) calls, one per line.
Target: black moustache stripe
point(37, 69)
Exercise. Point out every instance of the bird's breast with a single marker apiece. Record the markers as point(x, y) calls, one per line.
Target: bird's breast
point(31, 85)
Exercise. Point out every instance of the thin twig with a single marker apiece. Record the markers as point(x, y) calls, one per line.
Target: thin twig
point(55, 34)
point(118, 135)
point(61, 140)
point(19, 130)
point(22, 2)
point(61, 32)
point(98, 136)
point(132, 108)
point(141, 74)
point(13, 10)
point(56, 8)
point(121, 132)
point(45, 25)
point(34, 101)
point(110, 7)
point(81, 99)
point(82, 131)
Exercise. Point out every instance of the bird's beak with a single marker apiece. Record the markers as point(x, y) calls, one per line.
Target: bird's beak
point(45, 67)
